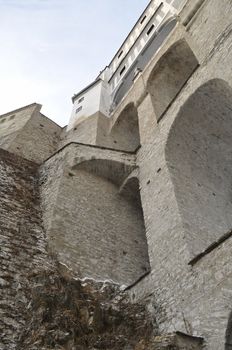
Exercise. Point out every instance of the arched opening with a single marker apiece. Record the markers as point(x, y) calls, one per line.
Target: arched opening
point(130, 190)
point(125, 131)
point(169, 75)
point(198, 155)
point(144, 57)
point(97, 231)
point(111, 170)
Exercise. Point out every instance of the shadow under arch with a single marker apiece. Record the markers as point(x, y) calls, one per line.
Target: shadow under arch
point(170, 21)
point(198, 155)
point(169, 75)
point(228, 337)
point(125, 131)
point(130, 188)
point(144, 57)
point(111, 170)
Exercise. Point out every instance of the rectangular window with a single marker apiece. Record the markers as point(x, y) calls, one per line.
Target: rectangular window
point(81, 99)
point(150, 29)
point(122, 70)
point(120, 54)
point(78, 109)
point(143, 19)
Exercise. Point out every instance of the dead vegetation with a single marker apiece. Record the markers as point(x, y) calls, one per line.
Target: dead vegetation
point(70, 314)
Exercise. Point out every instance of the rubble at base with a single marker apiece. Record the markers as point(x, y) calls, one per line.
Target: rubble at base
point(67, 313)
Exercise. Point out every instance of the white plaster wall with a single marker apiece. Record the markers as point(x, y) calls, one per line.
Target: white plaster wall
point(139, 38)
point(90, 105)
point(105, 100)
point(96, 99)
point(163, 14)
point(134, 34)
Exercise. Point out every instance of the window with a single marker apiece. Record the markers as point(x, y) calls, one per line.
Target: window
point(78, 109)
point(81, 99)
point(143, 19)
point(2, 120)
point(120, 54)
point(150, 29)
point(12, 117)
point(123, 70)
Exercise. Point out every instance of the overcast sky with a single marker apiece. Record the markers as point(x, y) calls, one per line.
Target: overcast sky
point(50, 49)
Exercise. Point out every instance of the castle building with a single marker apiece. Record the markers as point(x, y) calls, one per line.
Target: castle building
point(144, 40)
point(137, 188)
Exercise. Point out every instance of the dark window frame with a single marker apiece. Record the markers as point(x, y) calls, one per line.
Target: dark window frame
point(79, 109)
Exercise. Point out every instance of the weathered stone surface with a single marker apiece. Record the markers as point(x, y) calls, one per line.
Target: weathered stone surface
point(177, 341)
point(68, 313)
point(82, 182)
point(29, 134)
point(23, 246)
point(183, 173)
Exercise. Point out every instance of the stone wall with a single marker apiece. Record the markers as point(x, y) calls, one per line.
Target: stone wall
point(29, 134)
point(12, 123)
point(197, 152)
point(189, 285)
point(38, 140)
point(123, 133)
point(84, 132)
point(23, 247)
point(193, 296)
point(88, 222)
point(91, 198)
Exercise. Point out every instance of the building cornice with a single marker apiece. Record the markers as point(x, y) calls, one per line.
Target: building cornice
point(86, 89)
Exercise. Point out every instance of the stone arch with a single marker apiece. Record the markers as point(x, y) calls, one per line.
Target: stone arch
point(130, 188)
point(143, 59)
point(111, 170)
point(170, 22)
point(228, 340)
point(99, 232)
point(169, 75)
point(198, 155)
point(125, 131)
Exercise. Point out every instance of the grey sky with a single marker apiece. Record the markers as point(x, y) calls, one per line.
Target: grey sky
point(50, 49)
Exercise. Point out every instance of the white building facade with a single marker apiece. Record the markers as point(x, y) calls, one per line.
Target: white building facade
point(112, 84)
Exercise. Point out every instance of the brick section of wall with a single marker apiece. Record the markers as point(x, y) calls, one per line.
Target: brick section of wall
point(22, 249)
